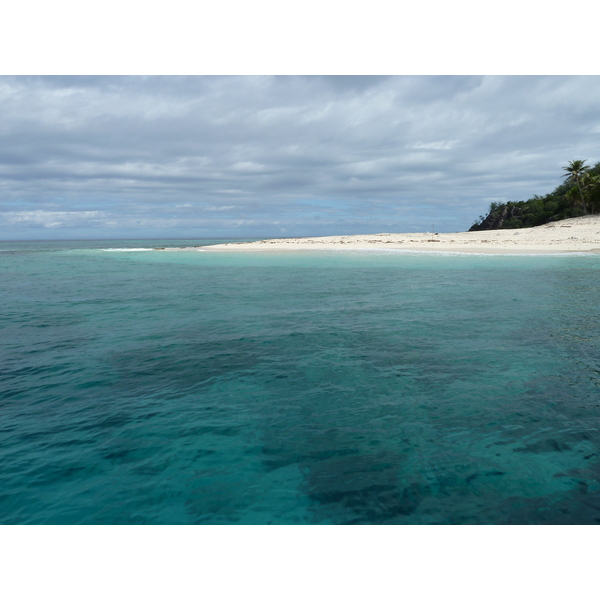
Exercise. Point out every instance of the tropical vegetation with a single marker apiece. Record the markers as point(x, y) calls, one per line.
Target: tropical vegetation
point(578, 195)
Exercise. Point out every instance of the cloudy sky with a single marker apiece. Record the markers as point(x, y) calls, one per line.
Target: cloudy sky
point(150, 157)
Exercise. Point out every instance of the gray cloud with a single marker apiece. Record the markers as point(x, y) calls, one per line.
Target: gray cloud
point(256, 156)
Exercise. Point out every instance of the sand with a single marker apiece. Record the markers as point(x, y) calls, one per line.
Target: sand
point(581, 234)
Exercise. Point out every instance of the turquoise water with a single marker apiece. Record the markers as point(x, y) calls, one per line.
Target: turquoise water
point(302, 387)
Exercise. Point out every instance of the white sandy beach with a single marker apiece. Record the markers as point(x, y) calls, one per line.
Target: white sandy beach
point(581, 234)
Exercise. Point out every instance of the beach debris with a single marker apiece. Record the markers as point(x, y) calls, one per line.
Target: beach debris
point(516, 233)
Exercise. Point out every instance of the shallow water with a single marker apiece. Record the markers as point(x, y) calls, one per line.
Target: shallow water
point(297, 387)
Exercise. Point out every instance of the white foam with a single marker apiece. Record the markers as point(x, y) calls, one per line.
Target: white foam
point(126, 249)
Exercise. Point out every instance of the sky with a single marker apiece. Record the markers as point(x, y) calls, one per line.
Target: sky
point(270, 156)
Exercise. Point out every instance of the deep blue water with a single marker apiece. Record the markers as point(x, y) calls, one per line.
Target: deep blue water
point(302, 387)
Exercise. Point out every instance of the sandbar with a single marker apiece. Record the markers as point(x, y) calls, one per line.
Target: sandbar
point(580, 234)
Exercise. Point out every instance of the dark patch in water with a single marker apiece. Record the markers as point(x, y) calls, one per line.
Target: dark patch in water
point(361, 489)
point(472, 477)
point(277, 457)
point(186, 366)
point(545, 446)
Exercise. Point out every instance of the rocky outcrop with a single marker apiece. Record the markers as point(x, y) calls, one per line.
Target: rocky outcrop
point(497, 218)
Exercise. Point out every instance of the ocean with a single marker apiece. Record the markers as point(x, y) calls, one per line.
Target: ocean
point(308, 387)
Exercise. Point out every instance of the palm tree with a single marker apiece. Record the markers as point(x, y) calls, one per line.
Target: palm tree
point(574, 172)
point(591, 183)
point(572, 197)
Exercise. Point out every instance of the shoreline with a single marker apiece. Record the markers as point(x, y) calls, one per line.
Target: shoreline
point(576, 235)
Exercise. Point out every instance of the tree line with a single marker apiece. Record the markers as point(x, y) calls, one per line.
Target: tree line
point(578, 195)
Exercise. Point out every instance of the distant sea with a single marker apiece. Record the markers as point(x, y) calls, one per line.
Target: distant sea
point(308, 387)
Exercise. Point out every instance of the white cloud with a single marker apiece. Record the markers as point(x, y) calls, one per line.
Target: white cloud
point(436, 145)
point(50, 219)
